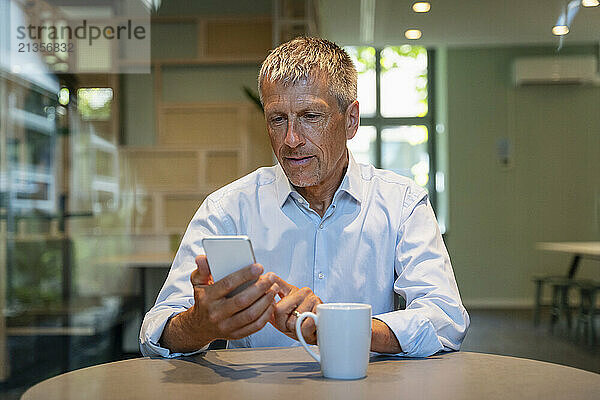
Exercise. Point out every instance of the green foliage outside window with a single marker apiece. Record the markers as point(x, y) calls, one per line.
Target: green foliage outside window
point(363, 57)
point(94, 103)
point(36, 280)
point(412, 60)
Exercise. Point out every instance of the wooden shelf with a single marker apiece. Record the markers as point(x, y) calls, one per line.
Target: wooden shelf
point(200, 146)
point(247, 40)
point(190, 161)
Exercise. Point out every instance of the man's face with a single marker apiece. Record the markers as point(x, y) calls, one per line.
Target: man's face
point(308, 132)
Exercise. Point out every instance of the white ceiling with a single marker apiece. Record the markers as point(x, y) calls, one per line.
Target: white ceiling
point(459, 22)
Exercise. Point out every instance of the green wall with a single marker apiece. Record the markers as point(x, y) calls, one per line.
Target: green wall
point(551, 190)
point(138, 110)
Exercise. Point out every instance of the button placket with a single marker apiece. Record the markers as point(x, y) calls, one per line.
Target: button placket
point(328, 214)
point(320, 281)
point(318, 275)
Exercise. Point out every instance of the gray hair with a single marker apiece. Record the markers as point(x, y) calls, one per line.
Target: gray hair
point(308, 57)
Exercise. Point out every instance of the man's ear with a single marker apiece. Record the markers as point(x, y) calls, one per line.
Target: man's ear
point(352, 119)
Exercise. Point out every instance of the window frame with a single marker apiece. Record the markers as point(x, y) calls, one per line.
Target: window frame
point(380, 122)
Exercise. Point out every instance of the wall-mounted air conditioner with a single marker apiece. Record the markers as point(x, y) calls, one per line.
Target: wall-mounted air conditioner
point(581, 70)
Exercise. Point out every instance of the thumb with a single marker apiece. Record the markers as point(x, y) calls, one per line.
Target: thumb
point(201, 275)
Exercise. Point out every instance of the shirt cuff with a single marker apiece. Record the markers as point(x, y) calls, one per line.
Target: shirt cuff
point(415, 333)
point(152, 329)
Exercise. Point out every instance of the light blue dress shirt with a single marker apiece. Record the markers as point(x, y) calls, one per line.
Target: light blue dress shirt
point(379, 235)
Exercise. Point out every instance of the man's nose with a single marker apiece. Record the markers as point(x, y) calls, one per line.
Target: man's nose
point(293, 136)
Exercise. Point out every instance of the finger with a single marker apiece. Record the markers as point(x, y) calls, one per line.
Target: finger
point(314, 311)
point(284, 287)
point(291, 302)
point(254, 326)
point(312, 330)
point(279, 291)
point(307, 304)
point(223, 286)
point(248, 296)
point(276, 289)
point(249, 315)
point(286, 306)
point(308, 329)
point(201, 275)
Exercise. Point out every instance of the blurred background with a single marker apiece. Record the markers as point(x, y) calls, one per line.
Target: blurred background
point(106, 153)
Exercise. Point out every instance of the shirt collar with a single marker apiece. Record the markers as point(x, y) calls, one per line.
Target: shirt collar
point(283, 187)
point(351, 183)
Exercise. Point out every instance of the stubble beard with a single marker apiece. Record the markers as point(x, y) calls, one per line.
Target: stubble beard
point(302, 180)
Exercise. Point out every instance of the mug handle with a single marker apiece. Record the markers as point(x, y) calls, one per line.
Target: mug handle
point(301, 318)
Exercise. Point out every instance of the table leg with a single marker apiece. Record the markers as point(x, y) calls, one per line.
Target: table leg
point(555, 310)
point(538, 302)
point(574, 265)
point(565, 306)
point(591, 338)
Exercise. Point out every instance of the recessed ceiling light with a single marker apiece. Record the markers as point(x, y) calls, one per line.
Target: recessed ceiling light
point(421, 7)
point(590, 3)
point(412, 34)
point(560, 30)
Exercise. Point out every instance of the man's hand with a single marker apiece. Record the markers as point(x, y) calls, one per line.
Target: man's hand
point(294, 299)
point(214, 316)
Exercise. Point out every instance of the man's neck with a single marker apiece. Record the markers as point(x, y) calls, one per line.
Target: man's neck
point(320, 197)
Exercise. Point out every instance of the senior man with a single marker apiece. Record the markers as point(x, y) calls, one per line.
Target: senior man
point(323, 228)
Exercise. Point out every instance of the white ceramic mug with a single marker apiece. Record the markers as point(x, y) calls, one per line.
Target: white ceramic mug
point(343, 337)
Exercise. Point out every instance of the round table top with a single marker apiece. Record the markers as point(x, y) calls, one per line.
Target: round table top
point(281, 373)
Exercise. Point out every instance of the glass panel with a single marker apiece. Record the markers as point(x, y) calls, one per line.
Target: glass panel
point(364, 61)
point(362, 145)
point(404, 81)
point(404, 150)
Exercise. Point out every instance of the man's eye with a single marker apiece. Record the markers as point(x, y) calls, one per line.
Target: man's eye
point(277, 120)
point(311, 116)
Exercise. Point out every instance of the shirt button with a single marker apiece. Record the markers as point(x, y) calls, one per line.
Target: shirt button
point(321, 226)
point(321, 275)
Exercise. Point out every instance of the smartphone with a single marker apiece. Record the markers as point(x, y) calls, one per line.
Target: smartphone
point(228, 254)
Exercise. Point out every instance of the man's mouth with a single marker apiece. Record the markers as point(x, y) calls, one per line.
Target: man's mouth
point(296, 161)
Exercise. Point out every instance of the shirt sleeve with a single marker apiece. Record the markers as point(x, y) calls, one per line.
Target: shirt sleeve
point(434, 319)
point(177, 294)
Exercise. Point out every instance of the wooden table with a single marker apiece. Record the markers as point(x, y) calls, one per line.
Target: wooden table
point(578, 249)
point(289, 373)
